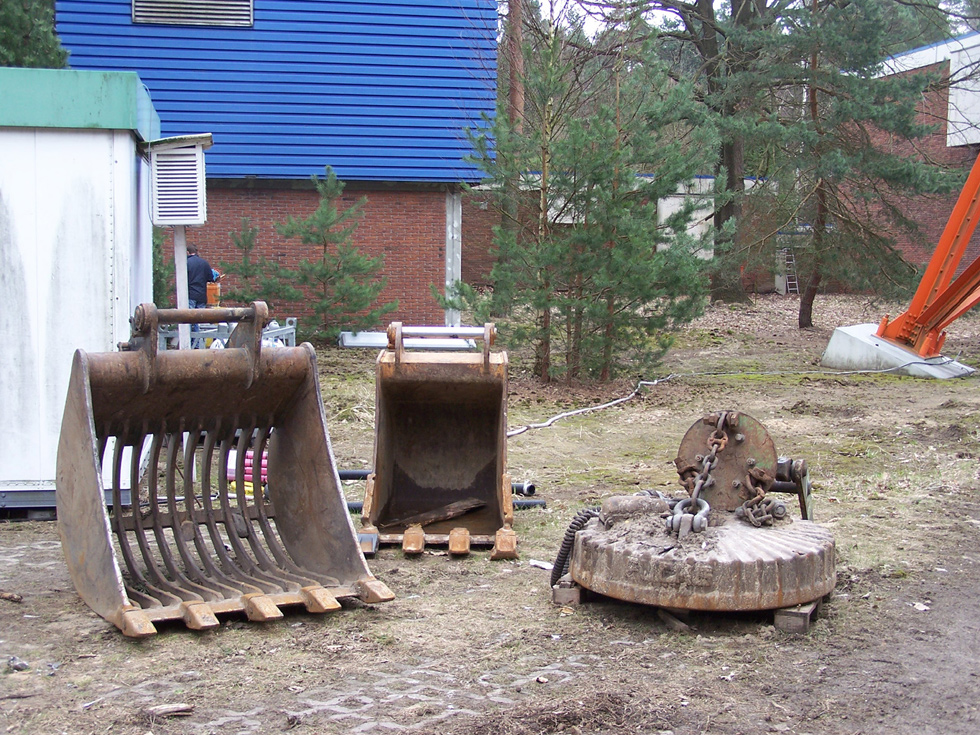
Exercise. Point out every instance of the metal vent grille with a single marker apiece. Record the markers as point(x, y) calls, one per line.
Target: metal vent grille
point(193, 12)
point(178, 187)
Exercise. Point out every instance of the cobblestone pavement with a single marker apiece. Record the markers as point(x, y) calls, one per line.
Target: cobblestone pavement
point(389, 696)
point(401, 698)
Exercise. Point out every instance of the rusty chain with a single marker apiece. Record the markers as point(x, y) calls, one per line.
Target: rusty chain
point(760, 510)
point(691, 514)
point(683, 521)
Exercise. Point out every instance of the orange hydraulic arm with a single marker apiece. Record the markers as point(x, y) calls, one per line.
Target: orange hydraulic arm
point(937, 303)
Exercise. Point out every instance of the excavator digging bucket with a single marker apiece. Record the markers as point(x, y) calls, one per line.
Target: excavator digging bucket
point(186, 538)
point(440, 447)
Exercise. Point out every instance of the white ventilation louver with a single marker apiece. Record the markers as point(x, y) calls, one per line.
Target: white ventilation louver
point(193, 12)
point(178, 194)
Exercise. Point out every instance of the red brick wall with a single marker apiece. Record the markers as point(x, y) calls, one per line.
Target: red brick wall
point(407, 227)
point(931, 212)
point(480, 216)
point(758, 244)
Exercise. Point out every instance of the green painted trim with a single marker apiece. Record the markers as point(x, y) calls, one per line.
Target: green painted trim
point(64, 98)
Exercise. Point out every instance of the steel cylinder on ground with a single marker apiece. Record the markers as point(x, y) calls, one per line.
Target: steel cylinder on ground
point(440, 451)
point(183, 540)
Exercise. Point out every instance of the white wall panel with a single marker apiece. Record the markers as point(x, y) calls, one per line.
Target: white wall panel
point(71, 242)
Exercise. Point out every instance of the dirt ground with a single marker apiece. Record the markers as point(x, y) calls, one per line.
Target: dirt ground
point(473, 646)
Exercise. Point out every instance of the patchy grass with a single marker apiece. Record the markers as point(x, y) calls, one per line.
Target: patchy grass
point(473, 646)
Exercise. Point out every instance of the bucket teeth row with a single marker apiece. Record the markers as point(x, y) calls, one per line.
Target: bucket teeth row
point(192, 546)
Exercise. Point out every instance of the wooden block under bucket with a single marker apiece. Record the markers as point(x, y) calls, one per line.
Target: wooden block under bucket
point(796, 619)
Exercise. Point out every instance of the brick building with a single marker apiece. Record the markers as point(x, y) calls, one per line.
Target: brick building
point(380, 90)
point(954, 109)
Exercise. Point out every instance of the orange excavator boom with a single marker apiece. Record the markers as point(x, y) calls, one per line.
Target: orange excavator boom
point(939, 300)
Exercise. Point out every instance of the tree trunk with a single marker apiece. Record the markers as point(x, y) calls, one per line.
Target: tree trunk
point(806, 300)
point(515, 59)
point(543, 347)
point(607, 347)
point(726, 283)
point(805, 320)
point(510, 211)
point(575, 355)
point(733, 159)
point(574, 331)
point(542, 357)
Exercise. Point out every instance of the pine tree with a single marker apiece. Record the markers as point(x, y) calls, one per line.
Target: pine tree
point(163, 271)
point(27, 36)
point(797, 92)
point(592, 278)
point(837, 143)
point(343, 283)
point(256, 279)
point(755, 57)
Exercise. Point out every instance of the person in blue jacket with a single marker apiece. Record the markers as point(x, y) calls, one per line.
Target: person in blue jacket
point(199, 275)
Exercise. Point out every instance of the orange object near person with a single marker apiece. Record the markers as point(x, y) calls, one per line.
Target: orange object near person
point(214, 294)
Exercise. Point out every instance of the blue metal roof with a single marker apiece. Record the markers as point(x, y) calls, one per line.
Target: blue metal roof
point(379, 89)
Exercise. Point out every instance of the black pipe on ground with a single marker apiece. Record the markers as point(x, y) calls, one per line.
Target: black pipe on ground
point(523, 488)
point(354, 474)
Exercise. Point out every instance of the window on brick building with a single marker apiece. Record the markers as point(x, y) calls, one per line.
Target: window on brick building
point(194, 12)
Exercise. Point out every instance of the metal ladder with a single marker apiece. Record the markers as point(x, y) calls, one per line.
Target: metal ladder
point(792, 284)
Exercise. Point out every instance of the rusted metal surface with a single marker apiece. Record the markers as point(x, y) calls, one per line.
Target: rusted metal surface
point(731, 566)
point(459, 541)
point(748, 446)
point(730, 546)
point(439, 442)
point(195, 543)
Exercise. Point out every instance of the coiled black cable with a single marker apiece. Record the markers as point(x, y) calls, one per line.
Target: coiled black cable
point(560, 568)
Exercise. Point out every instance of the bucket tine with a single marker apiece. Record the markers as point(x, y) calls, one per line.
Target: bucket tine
point(244, 443)
point(239, 585)
point(238, 525)
point(146, 600)
point(250, 583)
point(282, 560)
point(172, 583)
point(192, 547)
point(187, 587)
point(157, 584)
point(263, 520)
point(138, 583)
point(289, 581)
point(183, 526)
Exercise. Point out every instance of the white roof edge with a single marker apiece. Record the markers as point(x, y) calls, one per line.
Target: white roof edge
point(932, 54)
point(204, 140)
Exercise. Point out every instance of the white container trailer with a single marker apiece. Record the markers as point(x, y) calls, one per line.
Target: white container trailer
point(75, 249)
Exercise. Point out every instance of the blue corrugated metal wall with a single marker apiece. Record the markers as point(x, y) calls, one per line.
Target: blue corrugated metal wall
point(379, 89)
